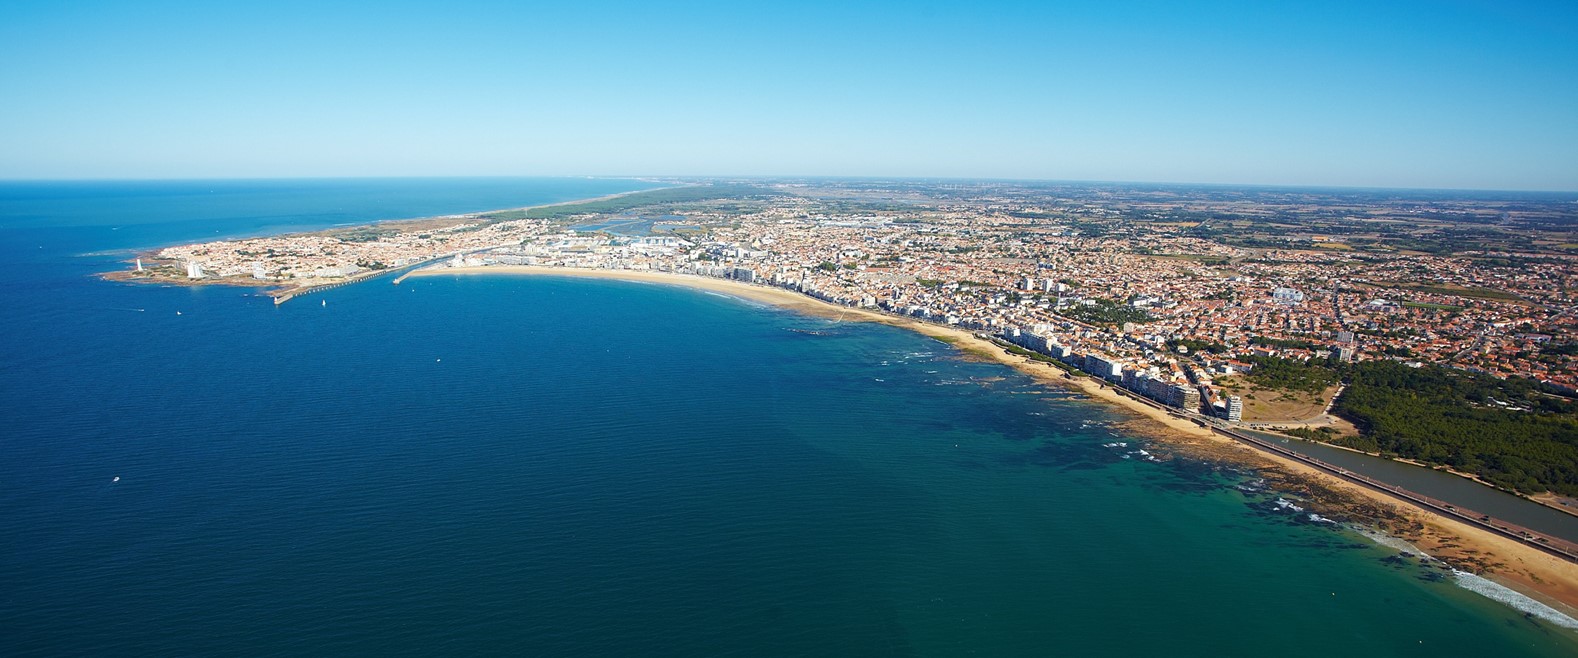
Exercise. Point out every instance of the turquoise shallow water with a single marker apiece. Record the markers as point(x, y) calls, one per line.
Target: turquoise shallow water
point(548, 466)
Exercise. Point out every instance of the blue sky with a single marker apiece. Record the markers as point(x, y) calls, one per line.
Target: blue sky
point(1452, 94)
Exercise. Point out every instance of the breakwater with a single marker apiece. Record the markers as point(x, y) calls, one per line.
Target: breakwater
point(308, 290)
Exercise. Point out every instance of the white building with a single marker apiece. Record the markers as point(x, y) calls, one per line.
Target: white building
point(1287, 296)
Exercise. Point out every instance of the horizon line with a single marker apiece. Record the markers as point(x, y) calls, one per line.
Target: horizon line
point(845, 177)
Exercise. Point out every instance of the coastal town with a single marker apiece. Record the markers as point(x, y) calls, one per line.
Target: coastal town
point(1123, 289)
point(790, 329)
point(1250, 317)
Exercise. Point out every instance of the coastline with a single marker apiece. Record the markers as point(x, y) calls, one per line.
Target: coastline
point(284, 291)
point(1524, 569)
point(1547, 499)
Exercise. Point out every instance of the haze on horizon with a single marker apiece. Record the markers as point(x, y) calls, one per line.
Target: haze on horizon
point(1451, 94)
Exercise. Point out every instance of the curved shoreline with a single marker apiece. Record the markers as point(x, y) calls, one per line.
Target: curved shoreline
point(1525, 569)
point(285, 290)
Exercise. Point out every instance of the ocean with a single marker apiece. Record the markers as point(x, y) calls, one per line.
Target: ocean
point(554, 466)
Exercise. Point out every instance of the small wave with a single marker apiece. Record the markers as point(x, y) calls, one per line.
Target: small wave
point(743, 300)
point(1256, 486)
point(1388, 540)
point(1501, 594)
point(1480, 585)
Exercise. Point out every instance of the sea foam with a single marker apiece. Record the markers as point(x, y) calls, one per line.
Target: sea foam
point(1481, 585)
point(1517, 601)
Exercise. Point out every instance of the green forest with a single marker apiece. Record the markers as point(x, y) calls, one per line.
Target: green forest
point(1105, 311)
point(1509, 432)
point(1312, 377)
point(1443, 416)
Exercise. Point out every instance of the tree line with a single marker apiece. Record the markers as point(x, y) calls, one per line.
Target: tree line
point(1511, 432)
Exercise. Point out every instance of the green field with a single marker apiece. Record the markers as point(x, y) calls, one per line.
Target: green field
point(627, 202)
point(1458, 291)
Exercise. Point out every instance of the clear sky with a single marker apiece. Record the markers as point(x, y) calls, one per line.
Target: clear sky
point(1450, 93)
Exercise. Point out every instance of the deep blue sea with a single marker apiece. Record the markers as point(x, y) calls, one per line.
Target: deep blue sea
point(548, 466)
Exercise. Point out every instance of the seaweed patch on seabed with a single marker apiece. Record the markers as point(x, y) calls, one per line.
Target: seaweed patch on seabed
point(1063, 456)
point(1057, 398)
point(937, 426)
point(1191, 476)
point(1293, 510)
point(1425, 567)
point(1435, 569)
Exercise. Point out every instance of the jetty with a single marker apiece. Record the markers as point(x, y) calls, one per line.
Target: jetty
point(403, 269)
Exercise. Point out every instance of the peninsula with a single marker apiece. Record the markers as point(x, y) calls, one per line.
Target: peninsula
point(296, 264)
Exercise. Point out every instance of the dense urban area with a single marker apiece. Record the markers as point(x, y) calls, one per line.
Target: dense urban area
point(1433, 326)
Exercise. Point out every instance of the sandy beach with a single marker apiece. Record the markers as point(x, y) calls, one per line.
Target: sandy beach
point(1536, 574)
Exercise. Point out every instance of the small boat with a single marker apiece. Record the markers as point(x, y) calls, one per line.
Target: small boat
point(325, 302)
point(115, 479)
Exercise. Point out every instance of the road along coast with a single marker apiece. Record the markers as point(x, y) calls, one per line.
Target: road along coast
point(1535, 573)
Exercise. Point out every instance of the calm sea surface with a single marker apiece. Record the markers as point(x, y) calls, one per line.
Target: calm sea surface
point(546, 466)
